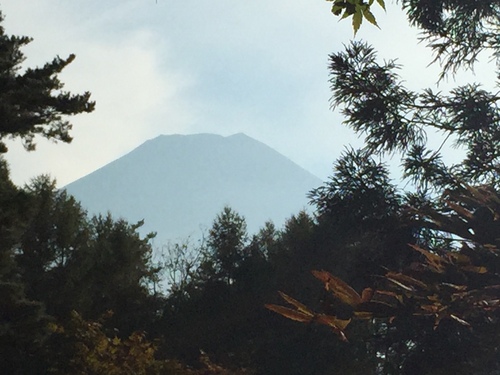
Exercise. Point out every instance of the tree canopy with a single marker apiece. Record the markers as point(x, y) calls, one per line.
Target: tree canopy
point(411, 276)
point(32, 100)
point(437, 310)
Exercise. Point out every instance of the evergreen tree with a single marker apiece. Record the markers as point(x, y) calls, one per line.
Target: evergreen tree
point(72, 262)
point(436, 313)
point(33, 102)
point(394, 119)
point(23, 322)
point(226, 243)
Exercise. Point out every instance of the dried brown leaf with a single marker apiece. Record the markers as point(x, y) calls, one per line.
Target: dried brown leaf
point(339, 288)
point(408, 280)
point(436, 262)
point(300, 307)
point(367, 294)
point(333, 321)
point(363, 314)
point(460, 320)
point(464, 213)
point(290, 313)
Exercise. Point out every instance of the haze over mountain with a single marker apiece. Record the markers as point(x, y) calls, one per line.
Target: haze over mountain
point(179, 183)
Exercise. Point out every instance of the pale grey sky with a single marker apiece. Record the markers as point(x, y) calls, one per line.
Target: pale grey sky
point(225, 66)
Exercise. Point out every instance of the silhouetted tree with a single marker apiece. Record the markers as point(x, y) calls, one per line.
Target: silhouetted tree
point(33, 102)
point(437, 312)
point(91, 265)
point(394, 119)
point(23, 322)
point(226, 243)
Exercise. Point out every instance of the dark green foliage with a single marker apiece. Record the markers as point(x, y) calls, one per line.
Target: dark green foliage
point(373, 99)
point(456, 30)
point(52, 257)
point(23, 331)
point(395, 119)
point(33, 102)
point(71, 262)
point(13, 215)
point(359, 228)
point(23, 321)
point(228, 321)
point(55, 259)
point(442, 305)
point(225, 244)
point(56, 225)
point(436, 311)
point(358, 193)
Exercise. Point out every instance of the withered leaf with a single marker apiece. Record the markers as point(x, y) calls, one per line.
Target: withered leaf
point(339, 288)
point(290, 313)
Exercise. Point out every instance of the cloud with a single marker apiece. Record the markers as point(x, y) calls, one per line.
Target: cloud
point(221, 67)
point(127, 77)
point(164, 67)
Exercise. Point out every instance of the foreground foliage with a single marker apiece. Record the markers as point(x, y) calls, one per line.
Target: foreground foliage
point(461, 284)
point(411, 278)
point(437, 311)
point(357, 9)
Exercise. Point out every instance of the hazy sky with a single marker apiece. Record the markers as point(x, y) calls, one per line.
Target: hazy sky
point(224, 66)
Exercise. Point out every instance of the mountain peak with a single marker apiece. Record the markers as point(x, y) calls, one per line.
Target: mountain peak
point(179, 183)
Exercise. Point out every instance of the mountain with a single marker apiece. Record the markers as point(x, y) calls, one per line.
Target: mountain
point(179, 183)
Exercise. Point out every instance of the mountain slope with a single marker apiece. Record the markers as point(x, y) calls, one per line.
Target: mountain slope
point(178, 183)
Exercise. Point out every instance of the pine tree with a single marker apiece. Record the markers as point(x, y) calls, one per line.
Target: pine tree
point(32, 100)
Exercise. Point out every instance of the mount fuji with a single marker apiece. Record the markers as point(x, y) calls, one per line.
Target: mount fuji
point(179, 183)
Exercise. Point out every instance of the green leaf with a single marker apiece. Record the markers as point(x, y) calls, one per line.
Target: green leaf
point(337, 9)
point(369, 16)
point(345, 15)
point(381, 3)
point(357, 18)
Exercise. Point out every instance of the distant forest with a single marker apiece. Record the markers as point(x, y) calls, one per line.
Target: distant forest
point(380, 279)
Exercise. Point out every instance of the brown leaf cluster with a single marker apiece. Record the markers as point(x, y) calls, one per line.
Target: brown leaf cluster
point(449, 284)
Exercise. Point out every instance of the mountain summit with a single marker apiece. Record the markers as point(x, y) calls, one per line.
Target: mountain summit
point(179, 183)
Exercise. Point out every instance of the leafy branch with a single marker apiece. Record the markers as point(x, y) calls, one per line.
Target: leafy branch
point(461, 285)
point(357, 9)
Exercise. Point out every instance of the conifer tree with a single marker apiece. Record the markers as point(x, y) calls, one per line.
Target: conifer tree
point(32, 100)
point(438, 313)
